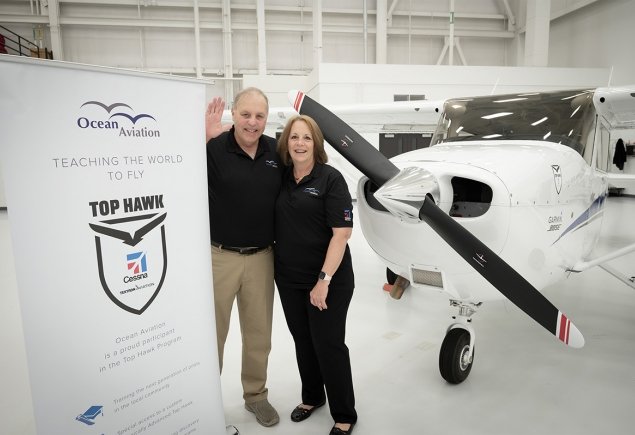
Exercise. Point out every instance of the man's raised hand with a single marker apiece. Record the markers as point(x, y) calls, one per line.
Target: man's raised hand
point(213, 117)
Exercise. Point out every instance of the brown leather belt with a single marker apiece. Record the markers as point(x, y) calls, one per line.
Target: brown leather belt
point(242, 251)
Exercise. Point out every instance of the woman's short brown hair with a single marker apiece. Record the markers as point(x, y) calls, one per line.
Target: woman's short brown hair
point(319, 154)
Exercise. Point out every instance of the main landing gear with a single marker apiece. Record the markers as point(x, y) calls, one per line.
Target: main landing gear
point(457, 351)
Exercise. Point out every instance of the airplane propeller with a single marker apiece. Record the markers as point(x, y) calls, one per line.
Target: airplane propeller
point(410, 193)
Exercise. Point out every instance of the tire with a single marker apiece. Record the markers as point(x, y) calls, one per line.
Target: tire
point(454, 369)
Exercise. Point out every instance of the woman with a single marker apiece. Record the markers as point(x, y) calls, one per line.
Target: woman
point(314, 272)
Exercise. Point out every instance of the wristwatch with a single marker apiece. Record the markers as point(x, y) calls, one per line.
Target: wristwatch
point(324, 276)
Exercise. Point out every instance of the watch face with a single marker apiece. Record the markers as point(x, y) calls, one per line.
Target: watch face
point(322, 275)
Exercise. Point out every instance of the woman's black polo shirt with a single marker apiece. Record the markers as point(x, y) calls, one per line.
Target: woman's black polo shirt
point(242, 191)
point(305, 216)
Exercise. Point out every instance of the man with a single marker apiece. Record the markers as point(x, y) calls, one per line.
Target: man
point(244, 177)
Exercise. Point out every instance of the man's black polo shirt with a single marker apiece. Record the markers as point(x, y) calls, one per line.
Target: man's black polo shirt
point(306, 213)
point(242, 191)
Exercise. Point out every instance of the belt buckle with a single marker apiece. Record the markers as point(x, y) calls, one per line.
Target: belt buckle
point(248, 251)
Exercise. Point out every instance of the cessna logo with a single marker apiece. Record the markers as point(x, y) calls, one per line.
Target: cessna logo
point(557, 177)
point(131, 249)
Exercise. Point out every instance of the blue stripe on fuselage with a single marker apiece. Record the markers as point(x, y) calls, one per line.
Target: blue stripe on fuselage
point(590, 214)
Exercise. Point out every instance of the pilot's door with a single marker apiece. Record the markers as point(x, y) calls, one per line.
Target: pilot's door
point(602, 149)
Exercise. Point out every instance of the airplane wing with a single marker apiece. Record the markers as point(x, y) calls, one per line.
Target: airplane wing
point(398, 116)
point(617, 105)
point(614, 103)
point(386, 175)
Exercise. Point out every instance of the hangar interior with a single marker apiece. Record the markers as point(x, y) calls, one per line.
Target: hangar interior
point(364, 52)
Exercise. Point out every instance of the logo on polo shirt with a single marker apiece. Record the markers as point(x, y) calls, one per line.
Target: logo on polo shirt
point(348, 215)
point(311, 191)
point(271, 163)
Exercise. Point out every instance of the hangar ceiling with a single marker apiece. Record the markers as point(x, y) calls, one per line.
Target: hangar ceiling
point(452, 32)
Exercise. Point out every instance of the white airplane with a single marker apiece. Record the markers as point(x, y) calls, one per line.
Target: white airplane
point(513, 184)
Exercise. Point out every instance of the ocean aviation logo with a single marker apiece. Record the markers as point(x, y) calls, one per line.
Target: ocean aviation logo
point(122, 122)
point(88, 417)
point(131, 278)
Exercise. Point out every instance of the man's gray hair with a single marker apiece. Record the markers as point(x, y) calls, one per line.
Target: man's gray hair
point(250, 90)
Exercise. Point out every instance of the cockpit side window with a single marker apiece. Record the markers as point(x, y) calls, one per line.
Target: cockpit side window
point(602, 148)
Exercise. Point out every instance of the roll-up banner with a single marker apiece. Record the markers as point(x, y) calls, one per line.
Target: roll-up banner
point(106, 188)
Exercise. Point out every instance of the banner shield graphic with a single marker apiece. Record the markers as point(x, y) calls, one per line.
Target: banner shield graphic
point(132, 259)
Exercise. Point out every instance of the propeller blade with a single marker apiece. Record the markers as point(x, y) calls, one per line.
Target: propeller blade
point(380, 170)
point(345, 140)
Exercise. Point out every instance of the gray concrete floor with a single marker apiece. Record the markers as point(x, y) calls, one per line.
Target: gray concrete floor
point(523, 381)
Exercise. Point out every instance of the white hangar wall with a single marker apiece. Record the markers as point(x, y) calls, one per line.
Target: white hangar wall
point(600, 34)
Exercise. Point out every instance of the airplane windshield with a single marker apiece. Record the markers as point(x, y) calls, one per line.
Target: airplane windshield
point(565, 117)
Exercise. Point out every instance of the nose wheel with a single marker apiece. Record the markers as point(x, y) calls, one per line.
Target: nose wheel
point(457, 350)
point(455, 358)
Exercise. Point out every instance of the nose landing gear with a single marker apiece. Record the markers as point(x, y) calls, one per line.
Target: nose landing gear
point(457, 350)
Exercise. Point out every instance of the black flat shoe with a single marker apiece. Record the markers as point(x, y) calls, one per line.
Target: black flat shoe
point(299, 413)
point(338, 431)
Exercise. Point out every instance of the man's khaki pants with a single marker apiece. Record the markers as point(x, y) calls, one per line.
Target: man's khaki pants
point(249, 280)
